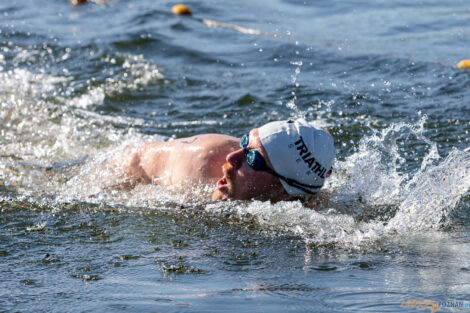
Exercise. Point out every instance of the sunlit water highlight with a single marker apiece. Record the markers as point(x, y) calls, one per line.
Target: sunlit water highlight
point(392, 226)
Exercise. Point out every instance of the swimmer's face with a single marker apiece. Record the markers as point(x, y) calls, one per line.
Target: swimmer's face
point(241, 181)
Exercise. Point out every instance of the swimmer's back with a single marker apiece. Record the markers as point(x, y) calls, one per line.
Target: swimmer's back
point(197, 158)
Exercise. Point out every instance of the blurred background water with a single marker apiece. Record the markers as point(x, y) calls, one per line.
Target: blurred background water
point(80, 83)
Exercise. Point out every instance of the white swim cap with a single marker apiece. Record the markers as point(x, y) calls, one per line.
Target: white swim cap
point(298, 151)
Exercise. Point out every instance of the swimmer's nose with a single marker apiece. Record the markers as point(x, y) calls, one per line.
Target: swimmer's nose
point(236, 158)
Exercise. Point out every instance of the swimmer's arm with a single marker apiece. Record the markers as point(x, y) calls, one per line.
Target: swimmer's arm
point(123, 172)
point(133, 172)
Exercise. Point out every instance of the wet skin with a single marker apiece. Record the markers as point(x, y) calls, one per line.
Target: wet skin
point(209, 159)
point(241, 181)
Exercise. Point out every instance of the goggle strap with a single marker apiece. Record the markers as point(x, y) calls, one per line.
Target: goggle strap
point(294, 183)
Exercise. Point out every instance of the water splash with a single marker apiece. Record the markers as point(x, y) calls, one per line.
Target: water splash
point(374, 194)
point(291, 103)
point(433, 193)
point(387, 187)
point(378, 170)
point(44, 120)
point(126, 72)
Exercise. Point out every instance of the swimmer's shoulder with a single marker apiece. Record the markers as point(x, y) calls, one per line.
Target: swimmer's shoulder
point(203, 145)
point(209, 141)
point(209, 149)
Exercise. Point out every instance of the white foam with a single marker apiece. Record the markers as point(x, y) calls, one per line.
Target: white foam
point(433, 193)
point(374, 193)
point(41, 123)
point(370, 183)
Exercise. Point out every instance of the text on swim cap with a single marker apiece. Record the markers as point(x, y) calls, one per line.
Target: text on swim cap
point(311, 162)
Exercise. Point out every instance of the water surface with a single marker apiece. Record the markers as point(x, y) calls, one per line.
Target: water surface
point(80, 83)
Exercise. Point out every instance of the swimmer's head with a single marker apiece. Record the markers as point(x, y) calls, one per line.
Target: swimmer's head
point(278, 161)
point(299, 152)
point(241, 181)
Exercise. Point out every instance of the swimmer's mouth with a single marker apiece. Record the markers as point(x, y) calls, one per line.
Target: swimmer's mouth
point(222, 184)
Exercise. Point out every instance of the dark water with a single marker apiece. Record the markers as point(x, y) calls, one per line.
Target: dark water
point(80, 83)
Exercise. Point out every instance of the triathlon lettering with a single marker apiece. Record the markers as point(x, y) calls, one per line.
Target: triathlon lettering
point(309, 159)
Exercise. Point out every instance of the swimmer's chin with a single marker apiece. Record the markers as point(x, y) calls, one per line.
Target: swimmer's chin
point(218, 195)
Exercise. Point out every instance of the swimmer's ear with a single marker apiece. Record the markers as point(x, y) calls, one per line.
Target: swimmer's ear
point(78, 2)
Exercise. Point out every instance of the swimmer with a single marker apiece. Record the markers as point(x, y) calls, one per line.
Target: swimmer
point(281, 160)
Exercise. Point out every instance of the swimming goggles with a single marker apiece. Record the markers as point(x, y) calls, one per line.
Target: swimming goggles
point(256, 161)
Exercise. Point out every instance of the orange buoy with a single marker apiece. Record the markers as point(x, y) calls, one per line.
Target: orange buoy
point(180, 9)
point(78, 2)
point(463, 64)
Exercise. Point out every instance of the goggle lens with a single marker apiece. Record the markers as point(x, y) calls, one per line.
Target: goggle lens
point(253, 157)
point(244, 142)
